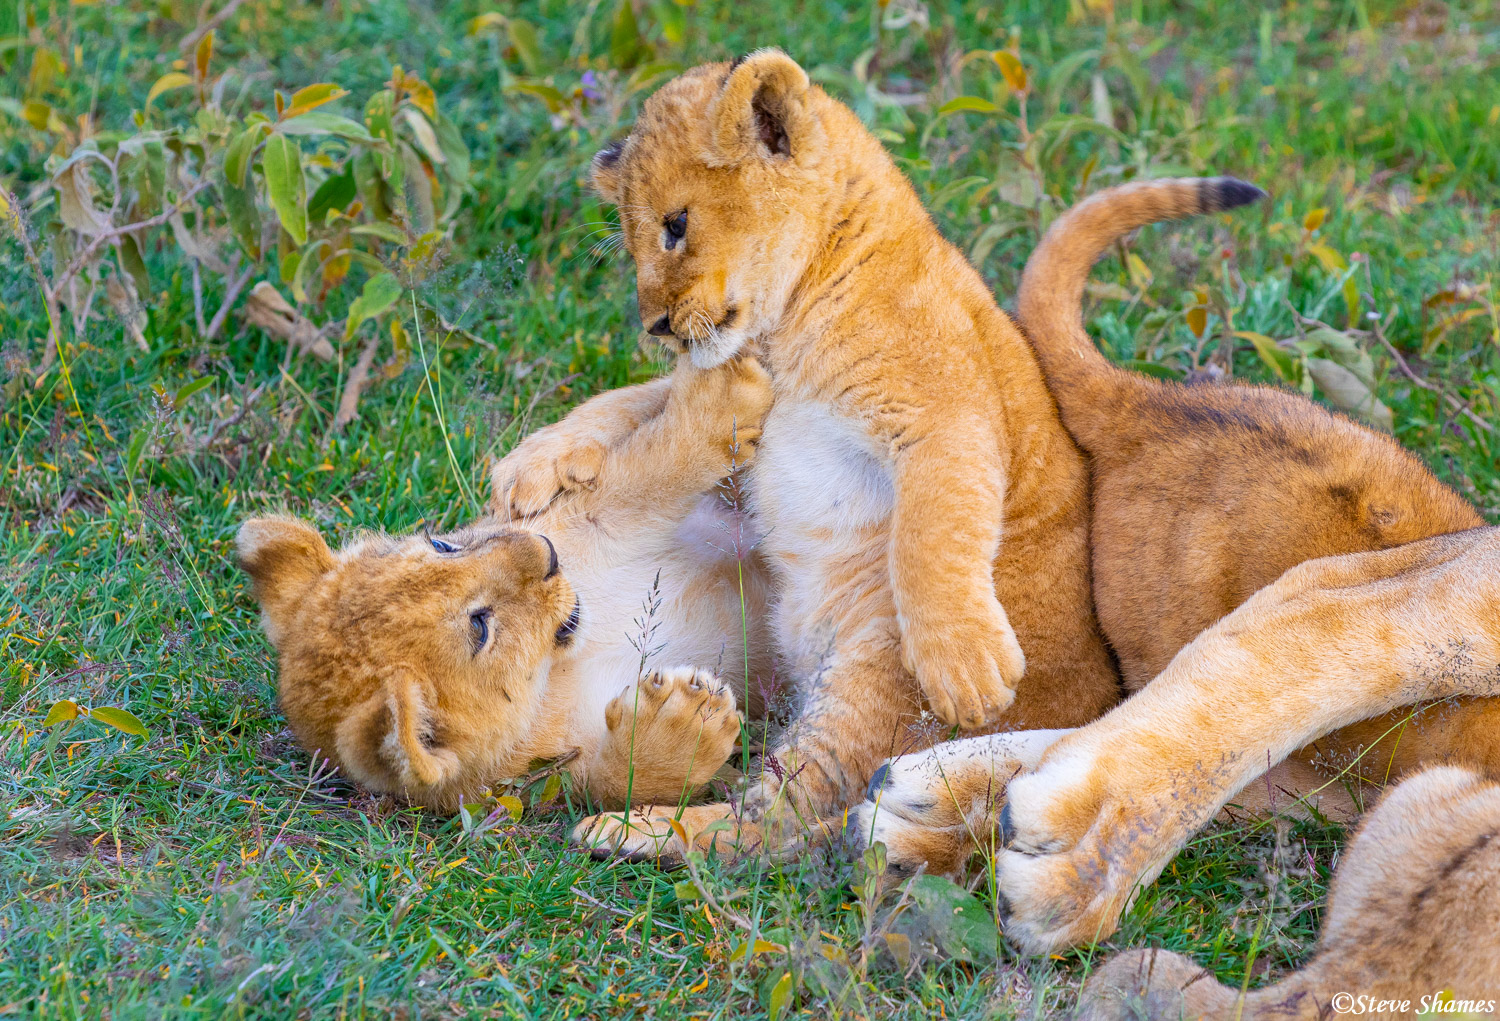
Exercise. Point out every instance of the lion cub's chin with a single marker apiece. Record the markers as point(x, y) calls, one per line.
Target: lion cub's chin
point(417, 664)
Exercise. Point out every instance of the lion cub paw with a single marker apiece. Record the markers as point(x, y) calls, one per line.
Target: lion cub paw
point(735, 398)
point(968, 665)
point(664, 834)
point(670, 733)
point(546, 465)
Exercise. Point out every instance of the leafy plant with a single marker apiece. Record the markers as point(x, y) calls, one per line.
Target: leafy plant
point(300, 193)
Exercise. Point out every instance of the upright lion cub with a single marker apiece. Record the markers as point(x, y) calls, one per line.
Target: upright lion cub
point(923, 508)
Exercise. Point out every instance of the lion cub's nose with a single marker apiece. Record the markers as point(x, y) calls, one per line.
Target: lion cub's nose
point(661, 328)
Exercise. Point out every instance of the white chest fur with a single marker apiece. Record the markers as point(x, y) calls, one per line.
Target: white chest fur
point(819, 480)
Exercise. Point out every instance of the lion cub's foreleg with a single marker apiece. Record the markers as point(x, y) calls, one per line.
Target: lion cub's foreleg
point(1330, 642)
point(1413, 912)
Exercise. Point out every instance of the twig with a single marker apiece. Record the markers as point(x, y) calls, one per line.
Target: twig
point(1453, 402)
point(115, 233)
point(190, 41)
point(231, 291)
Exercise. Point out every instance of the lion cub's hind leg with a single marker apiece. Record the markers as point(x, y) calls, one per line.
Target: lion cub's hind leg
point(1414, 911)
point(936, 809)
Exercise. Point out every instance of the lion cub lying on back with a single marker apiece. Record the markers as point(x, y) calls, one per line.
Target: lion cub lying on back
point(433, 666)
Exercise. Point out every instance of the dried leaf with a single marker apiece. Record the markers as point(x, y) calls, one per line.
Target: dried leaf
point(119, 291)
point(1348, 393)
point(267, 309)
point(75, 200)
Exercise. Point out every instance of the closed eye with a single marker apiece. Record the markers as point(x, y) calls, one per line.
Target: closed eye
point(479, 629)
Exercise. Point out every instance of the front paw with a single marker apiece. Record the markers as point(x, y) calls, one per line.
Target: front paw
point(968, 664)
point(546, 465)
point(731, 402)
point(935, 810)
point(670, 733)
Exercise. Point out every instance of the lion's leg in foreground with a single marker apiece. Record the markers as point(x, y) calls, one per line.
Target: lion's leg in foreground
point(1413, 912)
point(1331, 642)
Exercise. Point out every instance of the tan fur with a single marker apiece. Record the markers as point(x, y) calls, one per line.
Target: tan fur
point(1411, 921)
point(924, 510)
point(379, 665)
point(1203, 497)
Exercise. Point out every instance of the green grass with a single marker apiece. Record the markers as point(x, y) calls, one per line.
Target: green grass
point(208, 870)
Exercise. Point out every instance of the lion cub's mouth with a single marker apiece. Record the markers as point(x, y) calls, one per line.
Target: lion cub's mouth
point(568, 628)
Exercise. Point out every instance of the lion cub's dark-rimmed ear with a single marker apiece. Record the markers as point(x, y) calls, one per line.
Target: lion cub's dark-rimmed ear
point(604, 171)
point(762, 110)
point(283, 557)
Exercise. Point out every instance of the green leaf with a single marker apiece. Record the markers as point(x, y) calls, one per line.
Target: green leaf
point(384, 231)
point(957, 921)
point(132, 262)
point(426, 137)
point(371, 185)
point(624, 37)
point(120, 719)
point(244, 217)
point(379, 294)
point(1156, 369)
point(191, 388)
point(687, 890)
point(781, 996)
point(321, 122)
point(1277, 358)
point(1347, 392)
point(524, 40)
point(418, 191)
point(963, 104)
point(335, 192)
point(237, 156)
point(282, 163)
point(454, 150)
point(61, 711)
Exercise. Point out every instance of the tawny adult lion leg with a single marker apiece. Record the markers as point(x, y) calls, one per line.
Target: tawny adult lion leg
point(1413, 912)
point(1331, 642)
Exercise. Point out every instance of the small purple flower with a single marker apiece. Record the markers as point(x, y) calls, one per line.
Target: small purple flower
point(591, 87)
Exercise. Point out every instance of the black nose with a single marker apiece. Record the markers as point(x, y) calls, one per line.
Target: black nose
point(552, 567)
point(661, 328)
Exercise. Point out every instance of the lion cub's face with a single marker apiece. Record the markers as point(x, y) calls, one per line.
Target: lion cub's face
point(720, 202)
point(417, 663)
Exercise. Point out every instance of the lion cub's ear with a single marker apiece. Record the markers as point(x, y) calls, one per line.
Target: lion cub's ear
point(283, 557)
point(762, 110)
point(604, 171)
point(390, 741)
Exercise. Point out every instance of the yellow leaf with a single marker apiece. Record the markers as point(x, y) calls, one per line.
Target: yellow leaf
point(1331, 260)
point(65, 709)
point(422, 96)
point(681, 833)
point(203, 54)
point(1011, 67)
point(1140, 273)
point(1314, 219)
point(1197, 320)
point(37, 114)
point(312, 97)
point(511, 804)
point(491, 19)
point(167, 82)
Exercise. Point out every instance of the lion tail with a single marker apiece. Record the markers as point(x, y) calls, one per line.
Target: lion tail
point(1051, 298)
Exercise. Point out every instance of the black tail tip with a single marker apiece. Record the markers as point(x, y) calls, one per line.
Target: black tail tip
point(1217, 193)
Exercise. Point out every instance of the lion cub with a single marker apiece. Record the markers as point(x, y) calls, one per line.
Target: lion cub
point(431, 666)
point(924, 511)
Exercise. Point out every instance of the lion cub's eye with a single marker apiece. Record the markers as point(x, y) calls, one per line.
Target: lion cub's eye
point(479, 629)
point(676, 226)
